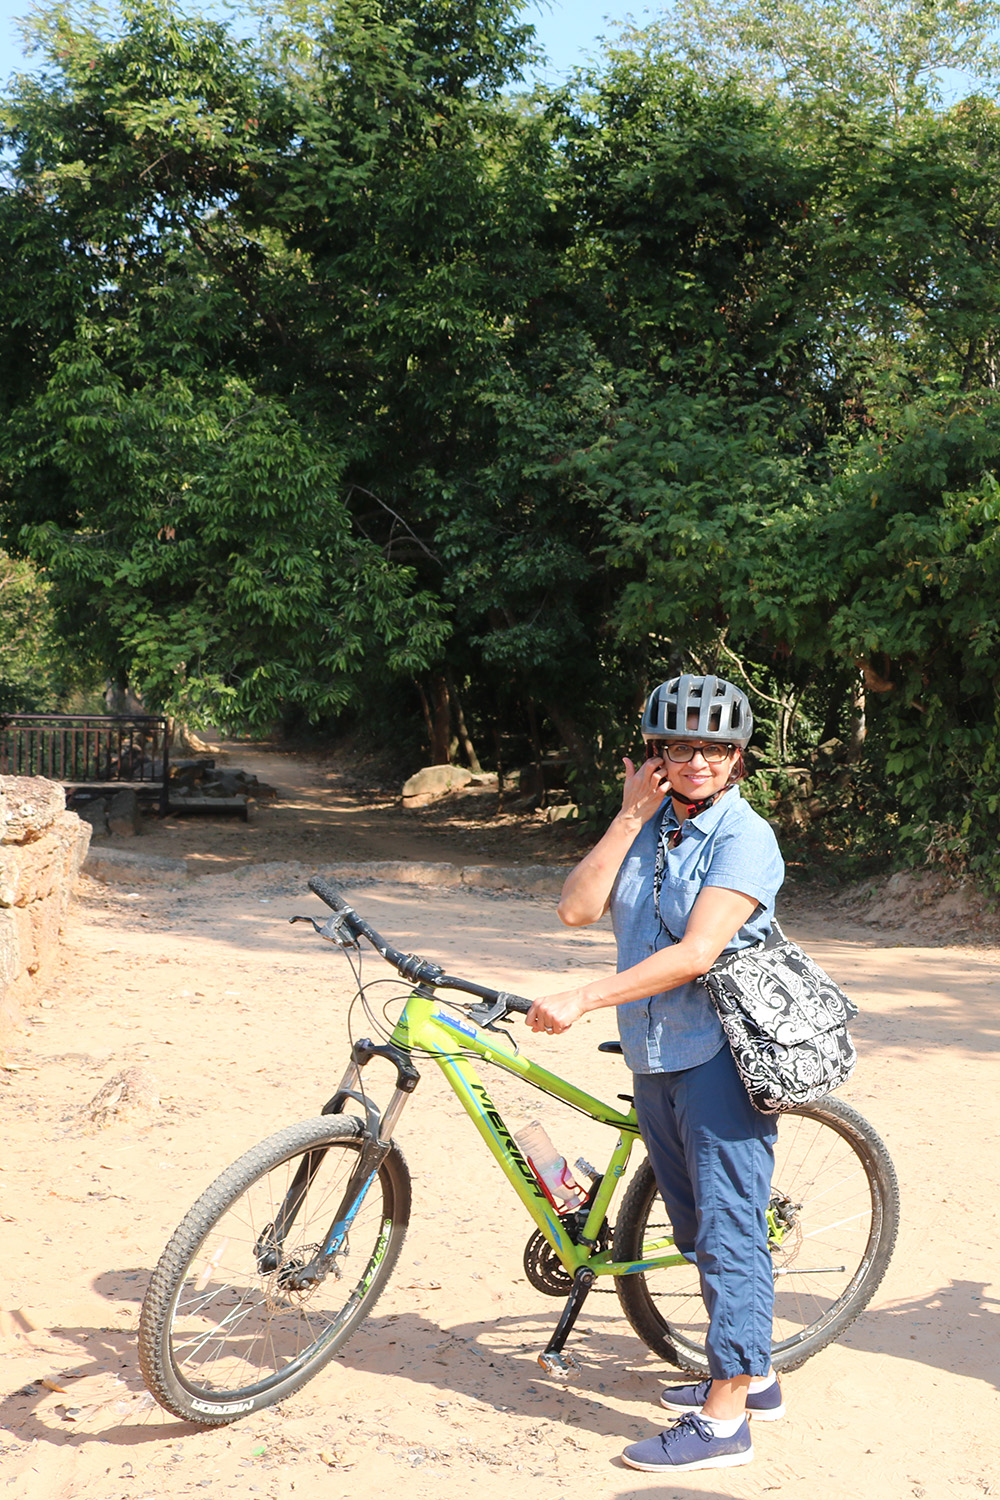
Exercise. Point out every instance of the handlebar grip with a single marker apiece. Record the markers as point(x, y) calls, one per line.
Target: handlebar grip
point(327, 892)
point(516, 1003)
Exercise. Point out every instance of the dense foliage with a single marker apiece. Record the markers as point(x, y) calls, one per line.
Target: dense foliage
point(37, 674)
point(340, 383)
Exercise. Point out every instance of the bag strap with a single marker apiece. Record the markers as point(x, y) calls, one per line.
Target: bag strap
point(774, 938)
point(659, 866)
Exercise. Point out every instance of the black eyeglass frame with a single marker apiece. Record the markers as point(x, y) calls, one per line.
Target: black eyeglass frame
point(714, 754)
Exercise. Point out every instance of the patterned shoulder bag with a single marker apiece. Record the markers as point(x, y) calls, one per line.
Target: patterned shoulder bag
point(785, 1019)
point(786, 1022)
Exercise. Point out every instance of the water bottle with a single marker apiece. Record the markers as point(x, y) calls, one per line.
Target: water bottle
point(551, 1169)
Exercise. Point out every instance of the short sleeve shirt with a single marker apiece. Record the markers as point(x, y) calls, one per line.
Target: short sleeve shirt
point(727, 845)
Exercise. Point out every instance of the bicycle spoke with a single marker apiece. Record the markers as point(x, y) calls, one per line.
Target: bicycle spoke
point(233, 1317)
point(833, 1190)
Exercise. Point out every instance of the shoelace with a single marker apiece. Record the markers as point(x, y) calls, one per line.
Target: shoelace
point(692, 1423)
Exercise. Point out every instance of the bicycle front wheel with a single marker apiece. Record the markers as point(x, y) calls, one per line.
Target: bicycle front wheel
point(834, 1216)
point(234, 1319)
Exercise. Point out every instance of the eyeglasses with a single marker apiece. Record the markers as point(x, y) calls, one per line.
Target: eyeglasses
point(680, 751)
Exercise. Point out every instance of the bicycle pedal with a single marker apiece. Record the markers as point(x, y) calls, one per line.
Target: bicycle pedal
point(559, 1366)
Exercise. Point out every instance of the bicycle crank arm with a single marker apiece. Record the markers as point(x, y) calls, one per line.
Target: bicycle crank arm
point(552, 1359)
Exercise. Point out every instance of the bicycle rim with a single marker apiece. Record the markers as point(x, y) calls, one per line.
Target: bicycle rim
point(835, 1197)
point(224, 1331)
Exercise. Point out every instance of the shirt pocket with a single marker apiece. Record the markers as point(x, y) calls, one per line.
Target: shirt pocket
point(677, 897)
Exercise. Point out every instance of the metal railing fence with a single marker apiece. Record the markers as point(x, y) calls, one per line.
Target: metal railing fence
point(107, 750)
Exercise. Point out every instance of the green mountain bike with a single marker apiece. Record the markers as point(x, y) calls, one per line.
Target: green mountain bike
point(287, 1252)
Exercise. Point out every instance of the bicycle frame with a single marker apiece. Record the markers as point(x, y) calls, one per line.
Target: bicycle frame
point(428, 1027)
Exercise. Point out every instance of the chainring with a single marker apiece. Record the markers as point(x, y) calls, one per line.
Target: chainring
point(543, 1267)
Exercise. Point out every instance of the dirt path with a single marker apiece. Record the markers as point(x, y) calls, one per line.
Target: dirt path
point(320, 815)
point(242, 1021)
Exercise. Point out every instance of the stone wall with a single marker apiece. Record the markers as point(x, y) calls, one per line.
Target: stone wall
point(42, 847)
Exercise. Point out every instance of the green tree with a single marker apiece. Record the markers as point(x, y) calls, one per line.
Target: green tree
point(888, 53)
point(194, 522)
point(36, 676)
point(799, 468)
point(338, 382)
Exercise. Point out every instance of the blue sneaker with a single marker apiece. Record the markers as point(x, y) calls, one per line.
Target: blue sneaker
point(690, 1444)
point(765, 1406)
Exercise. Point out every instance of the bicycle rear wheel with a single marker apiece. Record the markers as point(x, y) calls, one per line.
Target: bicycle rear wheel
point(835, 1213)
point(224, 1328)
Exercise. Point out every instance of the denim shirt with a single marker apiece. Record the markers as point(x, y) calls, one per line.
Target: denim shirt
point(727, 845)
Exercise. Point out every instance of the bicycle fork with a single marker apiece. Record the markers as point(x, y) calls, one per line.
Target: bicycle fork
point(376, 1142)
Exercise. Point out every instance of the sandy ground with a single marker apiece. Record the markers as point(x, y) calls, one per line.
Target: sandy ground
point(243, 1023)
point(326, 813)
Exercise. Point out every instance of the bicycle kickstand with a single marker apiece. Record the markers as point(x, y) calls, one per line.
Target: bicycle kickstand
point(553, 1361)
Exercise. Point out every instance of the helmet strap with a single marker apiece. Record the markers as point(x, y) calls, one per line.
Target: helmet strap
point(692, 804)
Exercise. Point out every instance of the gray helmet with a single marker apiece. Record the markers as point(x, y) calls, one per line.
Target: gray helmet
point(722, 711)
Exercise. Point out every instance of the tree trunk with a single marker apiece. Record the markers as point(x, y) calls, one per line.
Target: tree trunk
point(536, 748)
point(496, 738)
point(859, 727)
point(183, 739)
point(440, 708)
point(120, 699)
point(463, 733)
point(425, 706)
point(571, 737)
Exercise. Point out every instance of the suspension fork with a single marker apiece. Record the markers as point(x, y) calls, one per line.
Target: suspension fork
point(376, 1141)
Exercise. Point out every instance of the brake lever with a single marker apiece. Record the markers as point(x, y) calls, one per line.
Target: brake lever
point(331, 929)
point(486, 1014)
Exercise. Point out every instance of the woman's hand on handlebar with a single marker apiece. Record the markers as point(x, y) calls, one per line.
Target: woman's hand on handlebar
point(556, 1013)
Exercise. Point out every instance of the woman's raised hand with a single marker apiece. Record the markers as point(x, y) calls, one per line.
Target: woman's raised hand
point(646, 787)
point(587, 891)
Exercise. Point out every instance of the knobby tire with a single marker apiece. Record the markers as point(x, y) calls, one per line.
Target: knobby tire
point(220, 1333)
point(838, 1186)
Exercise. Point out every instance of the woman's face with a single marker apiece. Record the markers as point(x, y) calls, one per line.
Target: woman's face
point(697, 778)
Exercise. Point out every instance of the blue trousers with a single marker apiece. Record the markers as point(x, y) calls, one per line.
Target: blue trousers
point(713, 1155)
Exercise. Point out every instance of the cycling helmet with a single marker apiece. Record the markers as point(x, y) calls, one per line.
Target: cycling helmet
point(707, 707)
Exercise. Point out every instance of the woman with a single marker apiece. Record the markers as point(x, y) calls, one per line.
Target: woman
point(690, 871)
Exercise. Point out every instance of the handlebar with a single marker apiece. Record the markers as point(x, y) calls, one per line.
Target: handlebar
point(409, 965)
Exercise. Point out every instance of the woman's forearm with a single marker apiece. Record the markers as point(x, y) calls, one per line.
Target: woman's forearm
point(661, 971)
point(717, 915)
point(587, 889)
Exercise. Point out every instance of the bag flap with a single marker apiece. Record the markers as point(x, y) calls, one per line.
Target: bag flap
point(781, 992)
